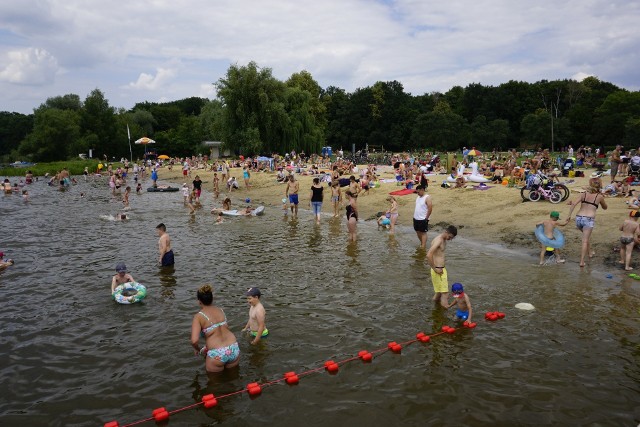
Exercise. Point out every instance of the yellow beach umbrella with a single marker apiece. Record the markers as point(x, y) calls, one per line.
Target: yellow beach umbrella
point(163, 157)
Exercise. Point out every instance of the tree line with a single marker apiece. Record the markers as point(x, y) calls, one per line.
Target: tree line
point(255, 113)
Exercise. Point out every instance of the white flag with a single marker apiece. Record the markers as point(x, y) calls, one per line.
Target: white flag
point(128, 133)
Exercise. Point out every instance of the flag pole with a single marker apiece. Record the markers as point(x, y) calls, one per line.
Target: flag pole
point(130, 151)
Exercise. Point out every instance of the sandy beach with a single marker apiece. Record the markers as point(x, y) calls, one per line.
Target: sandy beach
point(496, 215)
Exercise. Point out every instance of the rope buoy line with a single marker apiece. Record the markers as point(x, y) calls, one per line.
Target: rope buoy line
point(293, 378)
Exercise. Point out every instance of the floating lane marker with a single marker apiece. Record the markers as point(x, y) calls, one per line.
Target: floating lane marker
point(255, 389)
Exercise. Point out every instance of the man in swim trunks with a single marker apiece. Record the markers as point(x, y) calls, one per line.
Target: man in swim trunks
point(421, 215)
point(464, 311)
point(292, 193)
point(257, 315)
point(120, 278)
point(166, 258)
point(435, 258)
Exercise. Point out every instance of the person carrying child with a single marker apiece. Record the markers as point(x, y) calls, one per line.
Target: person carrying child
point(464, 311)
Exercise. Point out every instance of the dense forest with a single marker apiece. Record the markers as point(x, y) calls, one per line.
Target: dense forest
point(255, 113)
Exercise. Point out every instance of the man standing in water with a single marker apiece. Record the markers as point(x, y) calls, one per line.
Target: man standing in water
point(435, 258)
point(421, 215)
point(292, 192)
point(164, 247)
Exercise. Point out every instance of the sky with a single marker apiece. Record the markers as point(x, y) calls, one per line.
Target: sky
point(135, 51)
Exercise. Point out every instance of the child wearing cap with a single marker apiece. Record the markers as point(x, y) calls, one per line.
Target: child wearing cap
point(121, 277)
point(630, 233)
point(464, 311)
point(257, 315)
point(549, 227)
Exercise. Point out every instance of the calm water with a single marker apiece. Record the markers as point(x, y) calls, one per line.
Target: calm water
point(71, 356)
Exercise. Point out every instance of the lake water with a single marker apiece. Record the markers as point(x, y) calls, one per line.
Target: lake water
point(71, 356)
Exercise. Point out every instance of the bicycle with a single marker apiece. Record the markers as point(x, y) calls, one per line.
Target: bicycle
point(550, 194)
point(535, 181)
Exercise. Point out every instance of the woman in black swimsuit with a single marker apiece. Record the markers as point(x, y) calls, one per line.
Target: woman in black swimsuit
point(352, 214)
point(585, 219)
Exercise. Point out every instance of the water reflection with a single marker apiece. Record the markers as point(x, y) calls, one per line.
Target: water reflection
point(168, 281)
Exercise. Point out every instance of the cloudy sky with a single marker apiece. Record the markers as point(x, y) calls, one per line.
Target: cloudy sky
point(160, 50)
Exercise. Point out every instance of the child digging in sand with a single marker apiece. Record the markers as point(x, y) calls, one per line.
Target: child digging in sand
point(549, 227)
point(630, 231)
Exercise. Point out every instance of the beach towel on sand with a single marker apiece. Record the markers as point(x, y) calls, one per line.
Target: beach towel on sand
point(402, 192)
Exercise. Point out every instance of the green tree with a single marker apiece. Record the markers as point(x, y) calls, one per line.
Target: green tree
point(55, 135)
point(612, 116)
point(441, 129)
point(14, 127)
point(97, 118)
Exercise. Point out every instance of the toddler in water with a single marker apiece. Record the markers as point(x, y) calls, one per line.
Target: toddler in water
point(185, 193)
point(464, 311)
point(138, 188)
point(384, 221)
point(549, 227)
point(630, 231)
point(285, 208)
point(25, 195)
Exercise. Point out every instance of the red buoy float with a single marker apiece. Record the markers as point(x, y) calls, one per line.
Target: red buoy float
point(291, 378)
point(451, 330)
point(254, 389)
point(209, 401)
point(160, 414)
point(112, 424)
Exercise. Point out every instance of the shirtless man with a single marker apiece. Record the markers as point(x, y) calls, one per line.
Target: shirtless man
point(292, 192)
point(164, 247)
point(257, 315)
point(435, 258)
point(120, 278)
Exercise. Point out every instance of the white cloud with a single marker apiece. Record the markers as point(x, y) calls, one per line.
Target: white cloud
point(150, 82)
point(425, 44)
point(580, 76)
point(207, 90)
point(29, 66)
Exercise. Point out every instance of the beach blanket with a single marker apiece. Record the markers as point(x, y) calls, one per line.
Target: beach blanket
point(388, 181)
point(402, 192)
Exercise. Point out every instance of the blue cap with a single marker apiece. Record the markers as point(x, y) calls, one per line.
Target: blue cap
point(121, 268)
point(457, 287)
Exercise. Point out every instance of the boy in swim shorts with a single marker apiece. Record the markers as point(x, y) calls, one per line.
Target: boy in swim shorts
point(435, 258)
point(257, 315)
point(464, 311)
point(630, 233)
point(549, 227)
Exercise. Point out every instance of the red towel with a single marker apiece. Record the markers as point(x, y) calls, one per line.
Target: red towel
point(402, 192)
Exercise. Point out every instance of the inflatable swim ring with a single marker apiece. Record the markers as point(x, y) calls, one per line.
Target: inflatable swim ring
point(129, 293)
point(558, 238)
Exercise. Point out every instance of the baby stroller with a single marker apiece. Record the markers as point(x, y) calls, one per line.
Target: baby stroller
point(634, 166)
point(567, 166)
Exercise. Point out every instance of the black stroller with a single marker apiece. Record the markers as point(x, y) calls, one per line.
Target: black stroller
point(634, 166)
point(567, 166)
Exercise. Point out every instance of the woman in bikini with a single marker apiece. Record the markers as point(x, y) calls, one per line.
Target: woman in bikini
point(585, 219)
point(221, 349)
